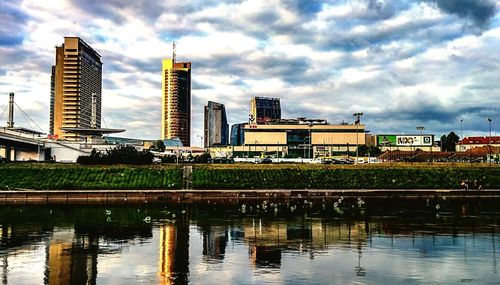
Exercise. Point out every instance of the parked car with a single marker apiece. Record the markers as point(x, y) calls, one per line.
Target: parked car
point(265, 160)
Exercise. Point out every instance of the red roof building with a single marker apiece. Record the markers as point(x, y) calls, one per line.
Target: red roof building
point(474, 142)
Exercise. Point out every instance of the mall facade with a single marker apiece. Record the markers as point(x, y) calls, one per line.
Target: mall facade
point(294, 138)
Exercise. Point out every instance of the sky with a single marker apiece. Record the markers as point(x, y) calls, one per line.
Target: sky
point(402, 63)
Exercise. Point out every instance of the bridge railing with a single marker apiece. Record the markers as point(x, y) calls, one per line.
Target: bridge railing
point(21, 134)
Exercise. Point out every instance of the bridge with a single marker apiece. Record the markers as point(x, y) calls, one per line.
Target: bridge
point(21, 144)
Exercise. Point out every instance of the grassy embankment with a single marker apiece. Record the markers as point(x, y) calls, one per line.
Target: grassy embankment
point(76, 177)
point(247, 176)
point(401, 176)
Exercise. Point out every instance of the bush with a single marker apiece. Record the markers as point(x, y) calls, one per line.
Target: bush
point(123, 154)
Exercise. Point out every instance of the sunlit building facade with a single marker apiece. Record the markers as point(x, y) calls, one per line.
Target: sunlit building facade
point(76, 79)
point(176, 101)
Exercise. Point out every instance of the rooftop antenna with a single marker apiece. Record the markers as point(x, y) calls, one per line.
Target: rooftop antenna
point(173, 52)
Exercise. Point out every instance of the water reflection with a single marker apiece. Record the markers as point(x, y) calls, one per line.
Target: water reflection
point(382, 242)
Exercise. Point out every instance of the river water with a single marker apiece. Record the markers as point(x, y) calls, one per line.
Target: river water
point(437, 241)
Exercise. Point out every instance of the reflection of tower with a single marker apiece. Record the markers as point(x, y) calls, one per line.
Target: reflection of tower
point(214, 243)
point(59, 258)
point(265, 256)
point(71, 260)
point(4, 234)
point(174, 253)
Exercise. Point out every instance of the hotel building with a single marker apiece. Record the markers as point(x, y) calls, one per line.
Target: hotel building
point(76, 83)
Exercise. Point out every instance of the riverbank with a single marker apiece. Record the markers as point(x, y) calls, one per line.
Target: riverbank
point(137, 197)
point(247, 176)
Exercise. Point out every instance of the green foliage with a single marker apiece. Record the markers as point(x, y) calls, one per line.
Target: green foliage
point(158, 146)
point(449, 142)
point(123, 154)
point(372, 151)
point(90, 178)
point(343, 178)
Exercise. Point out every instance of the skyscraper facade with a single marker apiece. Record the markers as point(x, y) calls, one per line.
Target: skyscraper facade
point(264, 109)
point(176, 101)
point(76, 82)
point(216, 127)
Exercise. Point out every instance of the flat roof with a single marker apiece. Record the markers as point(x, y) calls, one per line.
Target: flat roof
point(25, 130)
point(92, 131)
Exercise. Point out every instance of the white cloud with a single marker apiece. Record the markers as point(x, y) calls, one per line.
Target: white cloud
point(339, 58)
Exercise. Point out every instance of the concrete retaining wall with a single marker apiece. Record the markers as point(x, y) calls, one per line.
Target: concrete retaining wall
point(125, 197)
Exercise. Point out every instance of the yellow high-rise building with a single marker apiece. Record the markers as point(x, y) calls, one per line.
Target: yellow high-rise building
point(76, 82)
point(176, 101)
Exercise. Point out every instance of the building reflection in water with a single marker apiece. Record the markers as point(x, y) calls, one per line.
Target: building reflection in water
point(214, 244)
point(71, 254)
point(174, 253)
point(71, 259)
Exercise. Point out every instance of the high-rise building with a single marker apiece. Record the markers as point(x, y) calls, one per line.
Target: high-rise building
point(216, 127)
point(264, 109)
point(238, 134)
point(76, 83)
point(176, 100)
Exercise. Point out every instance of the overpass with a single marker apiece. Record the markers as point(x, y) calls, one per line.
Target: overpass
point(21, 144)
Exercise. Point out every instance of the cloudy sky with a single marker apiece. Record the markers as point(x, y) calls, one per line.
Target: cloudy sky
point(403, 63)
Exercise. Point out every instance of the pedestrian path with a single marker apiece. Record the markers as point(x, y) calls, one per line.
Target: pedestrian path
point(187, 177)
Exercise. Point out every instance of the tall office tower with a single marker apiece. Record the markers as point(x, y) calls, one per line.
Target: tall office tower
point(216, 127)
point(238, 134)
point(264, 109)
point(77, 82)
point(176, 100)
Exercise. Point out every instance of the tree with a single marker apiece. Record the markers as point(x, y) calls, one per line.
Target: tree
point(123, 154)
point(158, 146)
point(372, 151)
point(449, 142)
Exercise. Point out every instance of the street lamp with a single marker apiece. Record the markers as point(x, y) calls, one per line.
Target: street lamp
point(489, 147)
point(201, 140)
point(461, 132)
point(310, 141)
point(358, 120)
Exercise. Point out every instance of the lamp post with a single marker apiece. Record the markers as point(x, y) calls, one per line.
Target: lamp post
point(489, 141)
point(461, 132)
point(358, 120)
point(310, 141)
point(201, 140)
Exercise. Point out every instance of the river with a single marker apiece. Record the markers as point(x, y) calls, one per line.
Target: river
point(346, 241)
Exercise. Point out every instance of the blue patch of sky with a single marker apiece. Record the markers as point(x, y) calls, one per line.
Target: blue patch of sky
point(6, 40)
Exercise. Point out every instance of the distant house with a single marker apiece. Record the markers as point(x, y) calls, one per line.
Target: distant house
point(475, 142)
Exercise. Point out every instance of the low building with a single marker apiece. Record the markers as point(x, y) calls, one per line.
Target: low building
point(305, 138)
point(474, 142)
point(407, 142)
